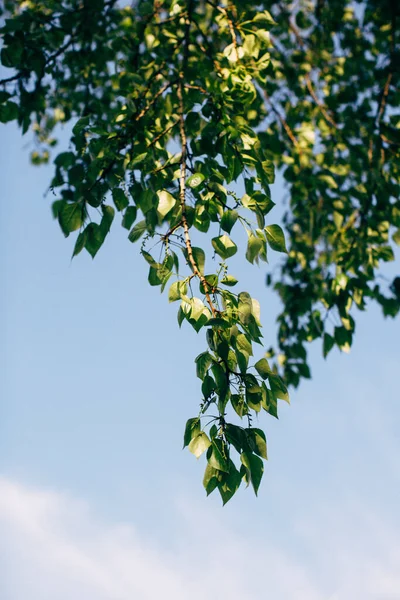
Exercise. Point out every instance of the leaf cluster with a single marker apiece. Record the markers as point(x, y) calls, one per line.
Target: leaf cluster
point(174, 107)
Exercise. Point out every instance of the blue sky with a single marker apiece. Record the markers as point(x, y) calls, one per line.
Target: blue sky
point(97, 499)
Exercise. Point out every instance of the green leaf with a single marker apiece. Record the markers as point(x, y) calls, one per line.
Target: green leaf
point(159, 275)
point(8, 112)
point(254, 400)
point(137, 231)
point(269, 401)
point(4, 96)
point(70, 217)
point(229, 280)
point(203, 362)
point(80, 243)
point(196, 308)
point(199, 444)
point(218, 455)
point(107, 219)
point(234, 436)
point(230, 483)
point(396, 237)
point(229, 219)
point(268, 168)
point(146, 201)
point(11, 54)
point(137, 159)
point(275, 238)
point(76, 175)
point(239, 405)
point(181, 316)
point(220, 379)
point(208, 386)
point(255, 467)
point(119, 198)
point(243, 344)
point(129, 217)
point(224, 246)
point(264, 17)
point(262, 367)
point(254, 245)
point(80, 125)
point(195, 180)
point(149, 259)
point(211, 479)
point(192, 429)
point(251, 46)
point(65, 160)
point(245, 307)
point(219, 323)
point(166, 202)
point(177, 290)
point(328, 344)
point(278, 388)
point(256, 310)
point(213, 431)
point(94, 239)
point(259, 441)
point(242, 360)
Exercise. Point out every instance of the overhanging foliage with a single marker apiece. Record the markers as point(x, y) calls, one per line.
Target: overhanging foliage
point(181, 112)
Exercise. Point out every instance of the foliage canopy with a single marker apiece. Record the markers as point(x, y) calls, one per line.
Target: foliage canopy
point(181, 112)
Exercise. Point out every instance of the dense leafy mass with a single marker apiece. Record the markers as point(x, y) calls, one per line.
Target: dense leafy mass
point(181, 111)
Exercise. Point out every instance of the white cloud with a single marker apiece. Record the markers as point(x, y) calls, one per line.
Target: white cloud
point(54, 547)
point(359, 551)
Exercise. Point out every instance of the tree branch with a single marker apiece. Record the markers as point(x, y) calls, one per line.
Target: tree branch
point(182, 198)
point(318, 102)
point(282, 121)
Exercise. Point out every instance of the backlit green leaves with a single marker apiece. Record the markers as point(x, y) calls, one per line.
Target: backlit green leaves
point(71, 217)
point(276, 238)
point(254, 469)
point(195, 180)
point(228, 220)
point(177, 291)
point(254, 246)
point(224, 246)
point(199, 444)
point(137, 231)
point(263, 368)
point(183, 135)
point(192, 429)
point(257, 441)
point(165, 203)
point(121, 141)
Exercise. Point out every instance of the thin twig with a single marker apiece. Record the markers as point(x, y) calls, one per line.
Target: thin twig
point(161, 135)
point(231, 25)
point(282, 121)
point(182, 178)
point(182, 200)
point(318, 102)
point(153, 100)
point(385, 93)
point(189, 86)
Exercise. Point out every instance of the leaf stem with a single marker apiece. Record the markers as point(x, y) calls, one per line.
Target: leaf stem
point(182, 198)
